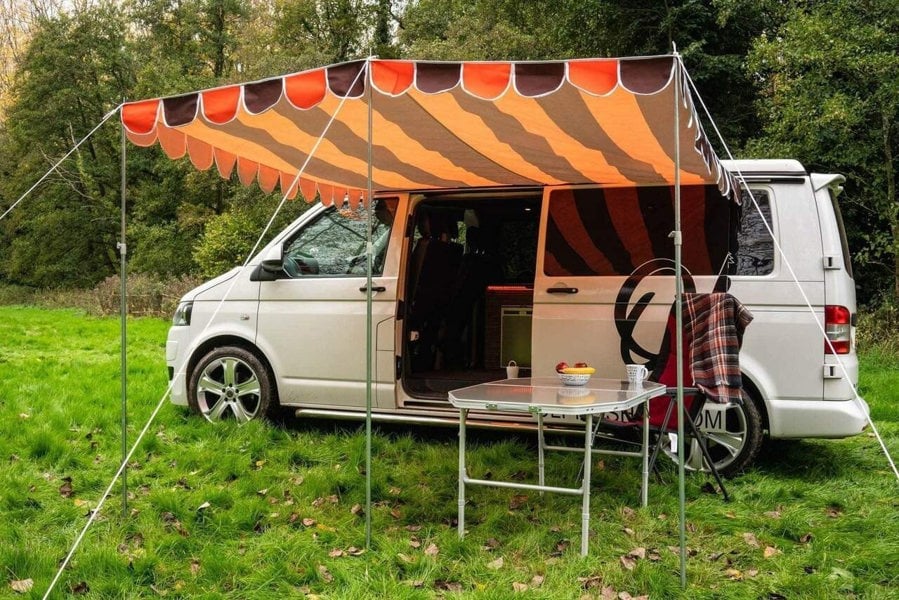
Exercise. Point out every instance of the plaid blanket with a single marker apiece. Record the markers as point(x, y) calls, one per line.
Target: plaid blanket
point(715, 323)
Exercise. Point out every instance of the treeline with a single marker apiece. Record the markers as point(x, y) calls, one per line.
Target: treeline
point(817, 81)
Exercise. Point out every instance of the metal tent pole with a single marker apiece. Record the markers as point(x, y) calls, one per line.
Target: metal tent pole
point(679, 322)
point(368, 318)
point(123, 255)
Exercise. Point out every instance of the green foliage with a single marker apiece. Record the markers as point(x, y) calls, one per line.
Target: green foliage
point(229, 237)
point(830, 97)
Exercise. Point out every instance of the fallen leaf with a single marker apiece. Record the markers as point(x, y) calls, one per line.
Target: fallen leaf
point(734, 574)
point(630, 513)
point(448, 586)
point(79, 502)
point(413, 527)
point(65, 490)
point(259, 464)
point(298, 480)
point(628, 562)
point(318, 502)
point(204, 506)
point(80, 588)
point(517, 501)
point(805, 539)
point(194, 566)
point(654, 555)
point(491, 544)
point(662, 517)
point(262, 492)
point(637, 553)
point(519, 587)
point(751, 540)
point(24, 416)
point(336, 553)
point(405, 558)
point(752, 572)
point(22, 586)
point(730, 514)
point(770, 551)
point(714, 556)
point(773, 514)
point(396, 514)
point(325, 574)
point(415, 542)
point(357, 509)
point(394, 491)
point(496, 564)
point(537, 580)
point(833, 512)
point(308, 522)
point(629, 531)
point(608, 593)
point(354, 551)
point(333, 499)
point(432, 550)
point(594, 581)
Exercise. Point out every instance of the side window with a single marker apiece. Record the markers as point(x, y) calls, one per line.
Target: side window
point(755, 254)
point(615, 231)
point(334, 243)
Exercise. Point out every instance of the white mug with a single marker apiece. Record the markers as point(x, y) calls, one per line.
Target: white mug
point(512, 370)
point(636, 374)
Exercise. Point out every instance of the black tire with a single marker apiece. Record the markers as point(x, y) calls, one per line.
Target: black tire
point(733, 442)
point(230, 382)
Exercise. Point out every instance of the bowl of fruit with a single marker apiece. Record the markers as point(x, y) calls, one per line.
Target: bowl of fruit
point(577, 375)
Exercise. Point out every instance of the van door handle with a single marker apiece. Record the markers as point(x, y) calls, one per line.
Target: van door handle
point(374, 288)
point(562, 290)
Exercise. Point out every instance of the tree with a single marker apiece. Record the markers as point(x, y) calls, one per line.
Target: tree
point(72, 73)
point(830, 97)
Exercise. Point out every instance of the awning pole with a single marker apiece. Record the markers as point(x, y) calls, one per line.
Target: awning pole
point(368, 318)
point(123, 254)
point(679, 322)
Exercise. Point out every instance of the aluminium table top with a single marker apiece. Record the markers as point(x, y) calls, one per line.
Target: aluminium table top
point(547, 395)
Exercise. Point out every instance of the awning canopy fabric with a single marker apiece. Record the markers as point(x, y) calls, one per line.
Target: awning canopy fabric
point(440, 125)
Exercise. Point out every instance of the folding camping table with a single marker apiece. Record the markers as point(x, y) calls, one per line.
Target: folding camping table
point(543, 396)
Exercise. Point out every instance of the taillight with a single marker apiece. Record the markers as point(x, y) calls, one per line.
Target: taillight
point(838, 328)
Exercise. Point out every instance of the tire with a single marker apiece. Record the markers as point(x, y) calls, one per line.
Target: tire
point(230, 382)
point(733, 442)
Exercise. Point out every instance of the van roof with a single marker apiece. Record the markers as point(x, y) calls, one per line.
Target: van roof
point(777, 166)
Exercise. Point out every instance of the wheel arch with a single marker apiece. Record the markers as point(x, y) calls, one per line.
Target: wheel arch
point(755, 394)
point(233, 340)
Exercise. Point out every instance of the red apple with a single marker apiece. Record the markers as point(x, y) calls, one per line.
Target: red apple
point(562, 365)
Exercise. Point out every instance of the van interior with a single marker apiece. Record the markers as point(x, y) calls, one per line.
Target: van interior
point(469, 290)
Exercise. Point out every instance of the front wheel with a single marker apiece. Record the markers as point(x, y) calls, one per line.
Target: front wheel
point(230, 382)
point(733, 434)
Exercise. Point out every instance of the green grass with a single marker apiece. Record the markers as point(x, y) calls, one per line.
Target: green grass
point(266, 511)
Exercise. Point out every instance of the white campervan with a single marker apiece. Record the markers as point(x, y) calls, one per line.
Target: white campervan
point(466, 280)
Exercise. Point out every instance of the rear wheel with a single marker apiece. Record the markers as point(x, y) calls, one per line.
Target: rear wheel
point(230, 382)
point(733, 434)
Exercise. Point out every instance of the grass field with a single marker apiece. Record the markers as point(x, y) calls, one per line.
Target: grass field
point(273, 511)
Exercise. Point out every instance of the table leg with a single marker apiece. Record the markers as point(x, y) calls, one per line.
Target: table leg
point(585, 485)
point(463, 416)
point(540, 461)
point(644, 490)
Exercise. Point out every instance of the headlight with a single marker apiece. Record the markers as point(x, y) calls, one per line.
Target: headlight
point(182, 314)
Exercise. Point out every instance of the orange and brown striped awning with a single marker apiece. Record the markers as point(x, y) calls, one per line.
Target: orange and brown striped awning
point(439, 125)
